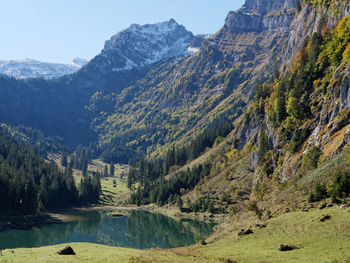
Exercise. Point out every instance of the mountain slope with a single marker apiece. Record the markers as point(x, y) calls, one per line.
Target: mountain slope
point(147, 89)
point(288, 144)
point(58, 107)
point(178, 99)
point(29, 68)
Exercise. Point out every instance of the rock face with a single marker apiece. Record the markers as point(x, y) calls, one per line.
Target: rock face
point(258, 16)
point(139, 46)
point(30, 68)
point(345, 92)
point(265, 6)
point(306, 23)
point(254, 35)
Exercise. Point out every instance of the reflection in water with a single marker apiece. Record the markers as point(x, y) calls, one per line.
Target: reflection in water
point(138, 229)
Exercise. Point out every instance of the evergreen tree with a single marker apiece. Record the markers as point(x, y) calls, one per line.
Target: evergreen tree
point(28, 183)
point(263, 145)
point(105, 171)
point(111, 170)
point(43, 196)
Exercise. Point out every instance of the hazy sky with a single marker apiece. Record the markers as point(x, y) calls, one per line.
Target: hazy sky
point(60, 30)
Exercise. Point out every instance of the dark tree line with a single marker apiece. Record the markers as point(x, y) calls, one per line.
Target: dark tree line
point(162, 191)
point(150, 170)
point(78, 160)
point(29, 183)
point(149, 174)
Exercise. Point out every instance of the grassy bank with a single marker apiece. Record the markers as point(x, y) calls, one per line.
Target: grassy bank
point(315, 241)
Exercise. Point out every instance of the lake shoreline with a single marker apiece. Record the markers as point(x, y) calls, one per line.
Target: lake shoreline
point(8, 222)
point(166, 210)
point(107, 227)
point(56, 216)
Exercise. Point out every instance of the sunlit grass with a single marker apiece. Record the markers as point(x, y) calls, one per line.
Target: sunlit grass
point(317, 241)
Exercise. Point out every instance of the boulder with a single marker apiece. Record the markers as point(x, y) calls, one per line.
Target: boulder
point(324, 218)
point(68, 250)
point(322, 206)
point(245, 232)
point(286, 248)
point(342, 207)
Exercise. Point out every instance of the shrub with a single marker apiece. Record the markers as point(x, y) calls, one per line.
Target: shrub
point(310, 159)
point(233, 210)
point(341, 185)
point(319, 192)
point(253, 206)
point(259, 214)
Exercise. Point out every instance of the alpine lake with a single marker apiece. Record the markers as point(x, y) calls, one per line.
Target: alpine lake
point(132, 229)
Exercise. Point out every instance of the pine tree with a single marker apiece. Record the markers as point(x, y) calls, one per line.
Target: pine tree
point(105, 172)
point(43, 196)
point(111, 170)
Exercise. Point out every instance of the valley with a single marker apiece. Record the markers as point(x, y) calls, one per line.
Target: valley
point(174, 147)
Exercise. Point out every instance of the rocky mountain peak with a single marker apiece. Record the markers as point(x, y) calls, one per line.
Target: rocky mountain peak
point(141, 45)
point(262, 15)
point(266, 6)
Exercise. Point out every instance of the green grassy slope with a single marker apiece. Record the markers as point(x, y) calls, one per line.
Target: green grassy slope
point(316, 241)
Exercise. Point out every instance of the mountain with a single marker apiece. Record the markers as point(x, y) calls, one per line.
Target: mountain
point(139, 46)
point(133, 95)
point(61, 107)
point(30, 68)
point(251, 122)
point(128, 55)
point(178, 99)
point(157, 85)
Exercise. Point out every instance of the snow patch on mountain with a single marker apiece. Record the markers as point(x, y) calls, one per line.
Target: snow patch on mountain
point(30, 68)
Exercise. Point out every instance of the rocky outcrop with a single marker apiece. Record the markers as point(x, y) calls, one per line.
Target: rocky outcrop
point(274, 21)
point(266, 6)
point(307, 22)
point(241, 22)
point(345, 92)
point(254, 35)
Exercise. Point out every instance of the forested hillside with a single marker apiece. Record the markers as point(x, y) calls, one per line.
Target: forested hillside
point(29, 183)
point(296, 122)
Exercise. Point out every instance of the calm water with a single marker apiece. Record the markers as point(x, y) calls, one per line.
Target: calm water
point(137, 229)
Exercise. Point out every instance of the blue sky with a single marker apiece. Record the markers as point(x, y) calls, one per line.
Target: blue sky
point(60, 30)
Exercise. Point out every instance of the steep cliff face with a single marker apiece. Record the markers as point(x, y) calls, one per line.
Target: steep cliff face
point(266, 6)
point(315, 70)
point(254, 35)
point(262, 16)
point(308, 21)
